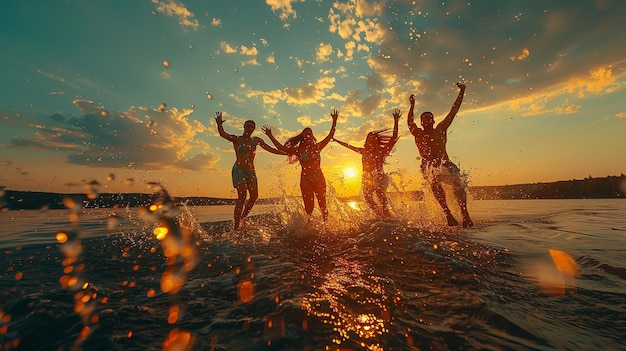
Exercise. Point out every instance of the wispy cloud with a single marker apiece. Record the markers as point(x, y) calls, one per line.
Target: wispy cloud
point(283, 7)
point(139, 138)
point(177, 9)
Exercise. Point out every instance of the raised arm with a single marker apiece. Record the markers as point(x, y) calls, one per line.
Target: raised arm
point(409, 119)
point(346, 145)
point(268, 131)
point(220, 128)
point(455, 108)
point(268, 148)
point(331, 134)
point(394, 137)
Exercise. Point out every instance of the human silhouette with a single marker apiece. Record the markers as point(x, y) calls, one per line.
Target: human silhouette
point(305, 149)
point(243, 172)
point(374, 181)
point(436, 166)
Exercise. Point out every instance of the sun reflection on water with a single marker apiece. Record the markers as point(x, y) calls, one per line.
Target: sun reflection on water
point(341, 299)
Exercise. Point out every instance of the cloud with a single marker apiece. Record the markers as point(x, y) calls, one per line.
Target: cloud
point(525, 53)
point(621, 115)
point(139, 138)
point(323, 51)
point(283, 7)
point(177, 9)
point(252, 51)
point(501, 52)
point(227, 48)
point(310, 93)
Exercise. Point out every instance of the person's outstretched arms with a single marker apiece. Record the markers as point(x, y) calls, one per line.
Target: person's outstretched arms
point(331, 134)
point(410, 118)
point(220, 128)
point(455, 108)
point(280, 147)
point(268, 148)
point(346, 145)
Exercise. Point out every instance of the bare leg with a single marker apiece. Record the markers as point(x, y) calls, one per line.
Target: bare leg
point(382, 200)
point(441, 198)
point(308, 196)
point(321, 198)
point(369, 200)
point(242, 190)
point(253, 189)
point(462, 200)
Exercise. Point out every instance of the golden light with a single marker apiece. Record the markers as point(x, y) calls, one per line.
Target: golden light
point(350, 172)
point(353, 205)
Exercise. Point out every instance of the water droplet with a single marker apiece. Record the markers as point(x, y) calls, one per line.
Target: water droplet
point(166, 63)
point(209, 96)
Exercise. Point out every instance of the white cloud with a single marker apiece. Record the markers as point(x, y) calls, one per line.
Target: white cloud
point(283, 7)
point(177, 9)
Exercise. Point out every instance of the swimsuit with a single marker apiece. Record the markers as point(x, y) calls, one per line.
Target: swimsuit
point(241, 175)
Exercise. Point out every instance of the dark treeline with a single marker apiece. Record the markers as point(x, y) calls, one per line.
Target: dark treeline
point(589, 188)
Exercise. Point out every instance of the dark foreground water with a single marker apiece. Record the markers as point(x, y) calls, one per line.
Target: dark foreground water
point(532, 275)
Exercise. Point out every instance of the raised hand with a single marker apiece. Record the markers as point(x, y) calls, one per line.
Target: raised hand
point(218, 118)
point(267, 130)
point(334, 114)
point(460, 85)
point(412, 99)
point(397, 114)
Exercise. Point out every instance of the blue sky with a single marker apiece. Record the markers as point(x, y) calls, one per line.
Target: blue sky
point(120, 94)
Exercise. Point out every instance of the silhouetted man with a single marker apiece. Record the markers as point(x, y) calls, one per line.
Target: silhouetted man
point(436, 166)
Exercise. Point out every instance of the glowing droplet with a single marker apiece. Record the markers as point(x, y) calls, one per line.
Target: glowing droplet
point(166, 63)
point(246, 291)
point(209, 96)
point(61, 237)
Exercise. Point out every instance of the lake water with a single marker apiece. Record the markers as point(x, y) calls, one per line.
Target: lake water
point(531, 275)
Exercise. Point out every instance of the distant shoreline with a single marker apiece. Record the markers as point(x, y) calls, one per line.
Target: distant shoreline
point(611, 187)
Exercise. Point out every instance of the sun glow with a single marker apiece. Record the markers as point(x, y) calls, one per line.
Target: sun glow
point(350, 172)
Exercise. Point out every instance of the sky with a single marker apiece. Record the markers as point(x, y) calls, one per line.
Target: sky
point(116, 96)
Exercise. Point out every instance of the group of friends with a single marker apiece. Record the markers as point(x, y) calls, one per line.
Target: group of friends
point(304, 148)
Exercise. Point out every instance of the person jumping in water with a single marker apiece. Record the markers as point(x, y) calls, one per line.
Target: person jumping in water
point(243, 173)
point(305, 149)
point(373, 154)
point(436, 166)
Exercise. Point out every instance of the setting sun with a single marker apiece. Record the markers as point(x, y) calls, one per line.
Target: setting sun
point(350, 172)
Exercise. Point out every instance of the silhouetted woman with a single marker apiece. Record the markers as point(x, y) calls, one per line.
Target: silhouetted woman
point(305, 149)
point(373, 154)
point(243, 173)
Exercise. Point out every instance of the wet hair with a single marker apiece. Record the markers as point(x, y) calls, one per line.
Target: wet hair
point(381, 137)
point(250, 121)
point(296, 141)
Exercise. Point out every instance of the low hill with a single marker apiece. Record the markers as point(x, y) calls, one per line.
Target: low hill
point(608, 187)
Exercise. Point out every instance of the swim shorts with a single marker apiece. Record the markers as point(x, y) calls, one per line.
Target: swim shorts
point(447, 173)
point(241, 175)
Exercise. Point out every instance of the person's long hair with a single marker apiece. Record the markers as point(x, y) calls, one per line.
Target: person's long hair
point(296, 141)
point(380, 138)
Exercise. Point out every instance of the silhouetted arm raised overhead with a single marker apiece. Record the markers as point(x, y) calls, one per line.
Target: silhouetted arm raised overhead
point(220, 128)
point(409, 119)
point(331, 134)
point(455, 108)
point(394, 137)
